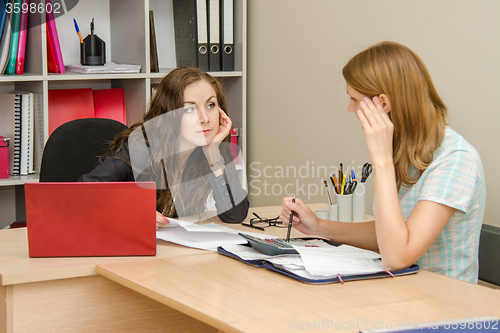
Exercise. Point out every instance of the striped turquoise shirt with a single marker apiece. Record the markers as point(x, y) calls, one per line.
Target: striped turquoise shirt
point(455, 178)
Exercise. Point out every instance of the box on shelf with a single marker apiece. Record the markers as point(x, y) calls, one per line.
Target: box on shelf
point(4, 157)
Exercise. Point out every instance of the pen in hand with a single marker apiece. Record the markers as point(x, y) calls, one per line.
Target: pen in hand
point(290, 223)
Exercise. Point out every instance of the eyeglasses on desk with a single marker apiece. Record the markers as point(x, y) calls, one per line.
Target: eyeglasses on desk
point(261, 223)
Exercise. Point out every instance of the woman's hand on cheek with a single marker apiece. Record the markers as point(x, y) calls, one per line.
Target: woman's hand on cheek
point(379, 131)
point(225, 124)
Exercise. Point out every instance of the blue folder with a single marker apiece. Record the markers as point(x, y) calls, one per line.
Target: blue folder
point(268, 265)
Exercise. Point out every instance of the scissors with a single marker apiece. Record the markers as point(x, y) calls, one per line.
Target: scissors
point(366, 171)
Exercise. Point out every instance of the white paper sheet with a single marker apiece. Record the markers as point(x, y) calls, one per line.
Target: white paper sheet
point(344, 260)
point(200, 236)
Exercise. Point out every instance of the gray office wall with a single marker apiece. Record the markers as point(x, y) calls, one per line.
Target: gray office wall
point(298, 126)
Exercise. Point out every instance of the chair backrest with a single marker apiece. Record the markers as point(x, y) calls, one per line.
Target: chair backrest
point(73, 149)
point(489, 254)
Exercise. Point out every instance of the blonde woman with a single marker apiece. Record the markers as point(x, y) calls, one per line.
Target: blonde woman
point(429, 181)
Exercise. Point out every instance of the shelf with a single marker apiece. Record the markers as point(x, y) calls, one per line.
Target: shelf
point(18, 78)
point(164, 72)
point(19, 180)
point(71, 76)
point(124, 26)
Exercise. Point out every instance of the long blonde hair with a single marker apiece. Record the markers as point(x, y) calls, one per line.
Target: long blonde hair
point(418, 113)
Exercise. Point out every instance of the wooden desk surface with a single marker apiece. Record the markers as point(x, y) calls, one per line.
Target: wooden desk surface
point(235, 297)
point(17, 267)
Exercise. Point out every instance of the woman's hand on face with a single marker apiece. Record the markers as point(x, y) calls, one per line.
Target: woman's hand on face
point(160, 220)
point(378, 129)
point(304, 220)
point(225, 124)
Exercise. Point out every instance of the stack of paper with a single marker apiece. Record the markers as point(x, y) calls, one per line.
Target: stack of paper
point(200, 236)
point(108, 68)
point(317, 261)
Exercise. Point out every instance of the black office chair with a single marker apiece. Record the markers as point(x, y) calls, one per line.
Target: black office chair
point(73, 149)
point(489, 254)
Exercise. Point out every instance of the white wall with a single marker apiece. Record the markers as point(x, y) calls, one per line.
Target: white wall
point(297, 116)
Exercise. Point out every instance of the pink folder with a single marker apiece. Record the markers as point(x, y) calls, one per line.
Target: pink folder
point(54, 39)
point(21, 46)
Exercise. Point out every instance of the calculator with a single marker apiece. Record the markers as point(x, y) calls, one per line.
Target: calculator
point(274, 246)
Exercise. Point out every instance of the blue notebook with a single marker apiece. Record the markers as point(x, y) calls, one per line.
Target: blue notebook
point(280, 269)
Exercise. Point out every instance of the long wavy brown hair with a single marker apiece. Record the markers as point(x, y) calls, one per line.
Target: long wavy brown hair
point(418, 113)
point(169, 96)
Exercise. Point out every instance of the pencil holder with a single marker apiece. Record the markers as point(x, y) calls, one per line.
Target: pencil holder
point(322, 213)
point(333, 214)
point(358, 203)
point(344, 203)
point(93, 51)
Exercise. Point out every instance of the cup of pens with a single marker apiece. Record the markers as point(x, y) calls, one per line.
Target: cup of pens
point(92, 48)
point(350, 195)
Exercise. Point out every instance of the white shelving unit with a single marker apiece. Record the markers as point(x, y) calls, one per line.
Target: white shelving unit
point(124, 26)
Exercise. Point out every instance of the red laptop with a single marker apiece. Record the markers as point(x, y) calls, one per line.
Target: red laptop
point(91, 219)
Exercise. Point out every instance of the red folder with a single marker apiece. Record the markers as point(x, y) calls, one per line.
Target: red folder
point(51, 59)
point(233, 143)
point(54, 39)
point(69, 104)
point(110, 103)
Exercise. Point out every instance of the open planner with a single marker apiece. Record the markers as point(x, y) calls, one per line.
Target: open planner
point(316, 261)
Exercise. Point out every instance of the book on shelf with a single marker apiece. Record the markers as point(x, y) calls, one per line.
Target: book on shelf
point(204, 34)
point(153, 51)
point(6, 37)
point(185, 34)
point(214, 24)
point(227, 32)
point(3, 13)
point(27, 145)
point(8, 123)
point(21, 45)
point(54, 39)
point(16, 163)
point(51, 58)
point(17, 123)
point(16, 20)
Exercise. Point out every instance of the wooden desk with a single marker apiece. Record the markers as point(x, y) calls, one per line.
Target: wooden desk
point(67, 294)
point(235, 297)
point(190, 290)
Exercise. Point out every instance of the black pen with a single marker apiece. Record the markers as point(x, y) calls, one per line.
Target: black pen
point(341, 174)
point(328, 192)
point(290, 223)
